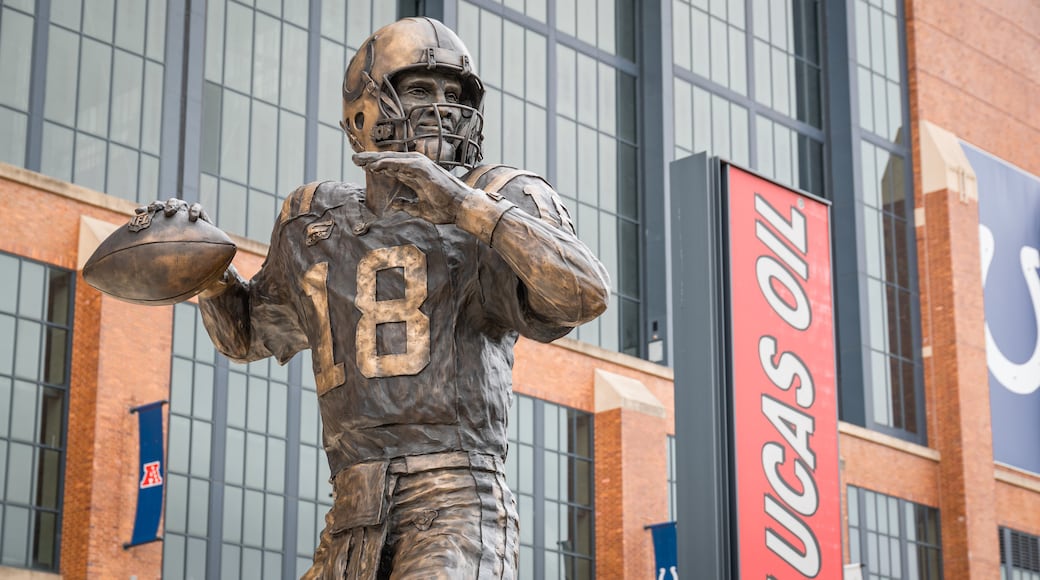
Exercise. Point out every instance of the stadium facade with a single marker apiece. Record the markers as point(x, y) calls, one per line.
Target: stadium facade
point(919, 121)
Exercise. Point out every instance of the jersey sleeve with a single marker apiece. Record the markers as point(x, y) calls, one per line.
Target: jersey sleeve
point(254, 319)
point(536, 276)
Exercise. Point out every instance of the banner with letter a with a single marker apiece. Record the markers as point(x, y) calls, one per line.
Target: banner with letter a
point(151, 475)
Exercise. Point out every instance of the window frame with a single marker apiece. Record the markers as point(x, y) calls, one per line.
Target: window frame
point(41, 383)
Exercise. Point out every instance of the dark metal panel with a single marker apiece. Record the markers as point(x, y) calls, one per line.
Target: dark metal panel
point(539, 484)
point(174, 75)
point(702, 448)
point(37, 82)
point(191, 100)
point(215, 525)
point(656, 142)
point(310, 124)
point(843, 185)
point(292, 467)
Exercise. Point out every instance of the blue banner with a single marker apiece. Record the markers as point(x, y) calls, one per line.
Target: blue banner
point(666, 555)
point(1009, 246)
point(151, 475)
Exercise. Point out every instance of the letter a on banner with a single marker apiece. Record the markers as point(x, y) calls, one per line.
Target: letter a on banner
point(151, 477)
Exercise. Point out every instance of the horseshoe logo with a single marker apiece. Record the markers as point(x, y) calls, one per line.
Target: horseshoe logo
point(1020, 378)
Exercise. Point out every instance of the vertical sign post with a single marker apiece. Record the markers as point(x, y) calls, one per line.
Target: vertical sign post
point(151, 475)
point(755, 379)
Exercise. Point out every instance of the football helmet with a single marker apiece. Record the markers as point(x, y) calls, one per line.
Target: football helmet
point(373, 116)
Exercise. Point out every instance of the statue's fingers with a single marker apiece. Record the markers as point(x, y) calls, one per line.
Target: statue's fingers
point(172, 206)
point(195, 212)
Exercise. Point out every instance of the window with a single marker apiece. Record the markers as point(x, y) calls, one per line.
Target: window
point(253, 112)
point(17, 21)
point(344, 26)
point(549, 469)
point(190, 445)
point(1019, 555)
point(577, 128)
point(102, 106)
point(673, 482)
point(893, 538)
point(747, 86)
point(247, 480)
point(35, 350)
point(893, 369)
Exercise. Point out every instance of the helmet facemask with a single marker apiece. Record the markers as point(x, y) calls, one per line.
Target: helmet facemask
point(396, 129)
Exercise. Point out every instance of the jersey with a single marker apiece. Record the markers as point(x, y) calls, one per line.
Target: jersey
point(411, 325)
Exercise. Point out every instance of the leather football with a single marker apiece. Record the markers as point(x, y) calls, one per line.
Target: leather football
point(157, 260)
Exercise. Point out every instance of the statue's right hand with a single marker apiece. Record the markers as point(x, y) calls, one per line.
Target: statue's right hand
point(174, 205)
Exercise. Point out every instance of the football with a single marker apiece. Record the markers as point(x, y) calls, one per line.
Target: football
point(157, 260)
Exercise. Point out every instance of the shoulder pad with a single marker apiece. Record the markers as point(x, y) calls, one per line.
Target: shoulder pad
point(316, 197)
point(493, 178)
point(524, 188)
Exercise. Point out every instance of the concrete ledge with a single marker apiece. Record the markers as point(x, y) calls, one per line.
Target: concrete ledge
point(1017, 477)
point(888, 441)
point(7, 573)
point(617, 392)
point(629, 361)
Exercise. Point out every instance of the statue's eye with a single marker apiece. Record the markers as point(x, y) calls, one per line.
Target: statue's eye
point(418, 92)
point(451, 97)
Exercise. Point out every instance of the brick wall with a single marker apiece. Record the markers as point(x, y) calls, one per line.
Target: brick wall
point(974, 72)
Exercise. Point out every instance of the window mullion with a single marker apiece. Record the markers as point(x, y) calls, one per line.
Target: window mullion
point(37, 84)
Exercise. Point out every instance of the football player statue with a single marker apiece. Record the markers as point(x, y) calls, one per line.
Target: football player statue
point(410, 293)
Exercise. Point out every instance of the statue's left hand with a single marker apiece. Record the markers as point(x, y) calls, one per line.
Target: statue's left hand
point(439, 193)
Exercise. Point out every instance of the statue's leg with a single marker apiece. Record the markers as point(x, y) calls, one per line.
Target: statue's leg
point(456, 523)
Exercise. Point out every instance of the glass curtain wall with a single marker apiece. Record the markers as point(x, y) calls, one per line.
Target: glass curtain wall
point(561, 101)
point(256, 111)
point(747, 85)
point(247, 486)
point(17, 23)
point(84, 87)
point(549, 469)
point(894, 399)
point(344, 26)
point(35, 352)
point(892, 537)
point(254, 106)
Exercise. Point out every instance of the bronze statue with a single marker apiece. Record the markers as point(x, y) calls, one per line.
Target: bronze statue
point(410, 293)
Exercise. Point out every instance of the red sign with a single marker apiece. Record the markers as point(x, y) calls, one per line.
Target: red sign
point(784, 397)
point(152, 476)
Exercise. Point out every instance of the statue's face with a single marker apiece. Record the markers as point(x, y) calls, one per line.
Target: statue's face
point(418, 91)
